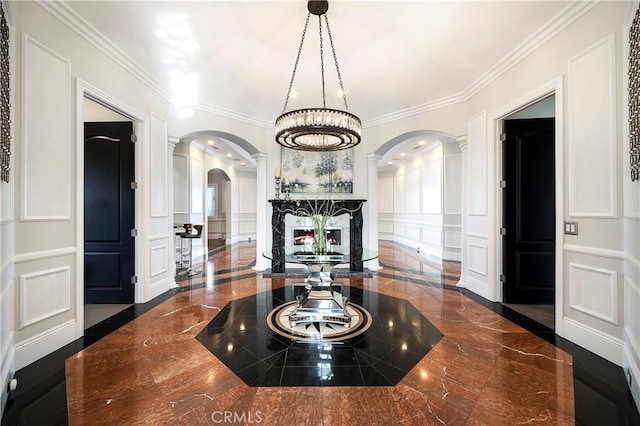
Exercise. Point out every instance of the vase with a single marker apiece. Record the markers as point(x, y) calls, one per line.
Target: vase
point(321, 240)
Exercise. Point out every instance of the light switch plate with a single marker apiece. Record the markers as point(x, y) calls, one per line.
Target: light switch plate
point(571, 228)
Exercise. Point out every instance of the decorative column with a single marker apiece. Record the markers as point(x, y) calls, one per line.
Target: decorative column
point(261, 210)
point(372, 207)
point(462, 141)
point(172, 142)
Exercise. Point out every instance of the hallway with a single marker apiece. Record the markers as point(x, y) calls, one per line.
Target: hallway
point(488, 364)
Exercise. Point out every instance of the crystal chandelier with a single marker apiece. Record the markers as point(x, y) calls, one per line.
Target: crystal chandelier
point(318, 129)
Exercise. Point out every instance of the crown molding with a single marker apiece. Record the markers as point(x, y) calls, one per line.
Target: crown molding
point(61, 11)
point(562, 20)
point(225, 112)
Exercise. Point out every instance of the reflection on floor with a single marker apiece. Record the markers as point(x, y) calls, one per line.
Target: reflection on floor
point(96, 313)
point(493, 366)
point(544, 314)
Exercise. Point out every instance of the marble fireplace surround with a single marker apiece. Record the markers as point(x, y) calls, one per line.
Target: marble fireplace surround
point(282, 207)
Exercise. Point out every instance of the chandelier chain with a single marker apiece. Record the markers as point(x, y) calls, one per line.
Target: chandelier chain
point(335, 59)
point(295, 66)
point(324, 96)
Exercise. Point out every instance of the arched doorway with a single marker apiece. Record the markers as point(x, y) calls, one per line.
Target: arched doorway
point(217, 207)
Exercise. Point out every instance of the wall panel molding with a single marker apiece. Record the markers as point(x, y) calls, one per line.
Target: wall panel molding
point(605, 345)
point(45, 138)
point(594, 291)
point(594, 251)
point(477, 255)
point(181, 179)
point(592, 143)
point(477, 178)
point(45, 254)
point(158, 167)
point(44, 294)
point(159, 256)
point(34, 348)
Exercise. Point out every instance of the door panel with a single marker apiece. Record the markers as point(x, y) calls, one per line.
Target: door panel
point(529, 211)
point(108, 212)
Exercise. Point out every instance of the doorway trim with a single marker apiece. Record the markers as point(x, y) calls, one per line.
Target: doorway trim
point(495, 125)
point(140, 128)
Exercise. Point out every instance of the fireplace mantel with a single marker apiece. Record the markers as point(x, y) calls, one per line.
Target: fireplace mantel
point(283, 207)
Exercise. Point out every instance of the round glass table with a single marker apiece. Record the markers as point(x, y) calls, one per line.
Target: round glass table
point(320, 302)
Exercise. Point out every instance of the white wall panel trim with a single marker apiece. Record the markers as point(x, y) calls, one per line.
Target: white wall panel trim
point(598, 277)
point(592, 143)
point(62, 293)
point(45, 194)
point(158, 258)
point(477, 235)
point(45, 254)
point(158, 237)
point(477, 255)
point(158, 167)
point(595, 251)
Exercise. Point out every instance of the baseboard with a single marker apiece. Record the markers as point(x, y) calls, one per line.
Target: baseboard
point(6, 374)
point(157, 288)
point(44, 343)
point(604, 345)
point(631, 366)
point(478, 287)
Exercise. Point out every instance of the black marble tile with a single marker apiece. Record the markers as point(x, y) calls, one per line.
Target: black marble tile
point(302, 376)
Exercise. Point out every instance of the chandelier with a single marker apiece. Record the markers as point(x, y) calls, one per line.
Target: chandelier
point(318, 129)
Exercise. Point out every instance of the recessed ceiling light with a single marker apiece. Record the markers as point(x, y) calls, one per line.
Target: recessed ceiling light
point(210, 142)
point(229, 155)
point(242, 163)
point(389, 163)
point(421, 143)
point(402, 154)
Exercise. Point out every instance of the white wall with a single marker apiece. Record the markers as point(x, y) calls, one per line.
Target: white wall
point(631, 218)
point(587, 55)
point(53, 66)
point(425, 212)
point(7, 246)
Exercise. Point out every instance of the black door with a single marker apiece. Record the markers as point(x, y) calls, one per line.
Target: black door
point(108, 212)
point(529, 211)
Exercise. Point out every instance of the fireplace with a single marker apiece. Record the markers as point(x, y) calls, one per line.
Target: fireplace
point(306, 236)
point(282, 208)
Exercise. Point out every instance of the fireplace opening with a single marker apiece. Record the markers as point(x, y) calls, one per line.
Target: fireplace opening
point(306, 236)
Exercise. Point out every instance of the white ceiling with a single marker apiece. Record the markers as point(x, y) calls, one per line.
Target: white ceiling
point(394, 55)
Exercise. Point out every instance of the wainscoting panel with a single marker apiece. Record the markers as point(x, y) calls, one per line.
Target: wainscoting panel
point(594, 291)
point(385, 193)
point(432, 187)
point(477, 258)
point(44, 294)
point(159, 256)
point(398, 194)
point(412, 191)
point(432, 236)
point(197, 186)
point(46, 78)
point(180, 183)
point(385, 226)
point(592, 132)
point(453, 184)
point(477, 142)
point(453, 239)
point(158, 167)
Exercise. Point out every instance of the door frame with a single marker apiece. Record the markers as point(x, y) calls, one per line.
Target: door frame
point(140, 128)
point(495, 158)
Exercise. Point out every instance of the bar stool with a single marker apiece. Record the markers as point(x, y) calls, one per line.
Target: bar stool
point(186, 253)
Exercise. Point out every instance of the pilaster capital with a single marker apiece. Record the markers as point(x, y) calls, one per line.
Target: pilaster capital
point(172, 141)
point(373, 158)
point(462, 142)
point(260, 157)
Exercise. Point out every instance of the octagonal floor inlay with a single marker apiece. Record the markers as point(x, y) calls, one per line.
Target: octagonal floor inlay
point(387, 339)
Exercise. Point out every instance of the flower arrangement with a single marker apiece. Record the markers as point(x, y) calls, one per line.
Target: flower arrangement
point(321, 212)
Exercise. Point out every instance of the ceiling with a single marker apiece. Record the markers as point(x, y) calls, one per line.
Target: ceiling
point(394, 56)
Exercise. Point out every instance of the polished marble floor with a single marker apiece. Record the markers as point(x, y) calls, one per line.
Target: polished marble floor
point(491, 366)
